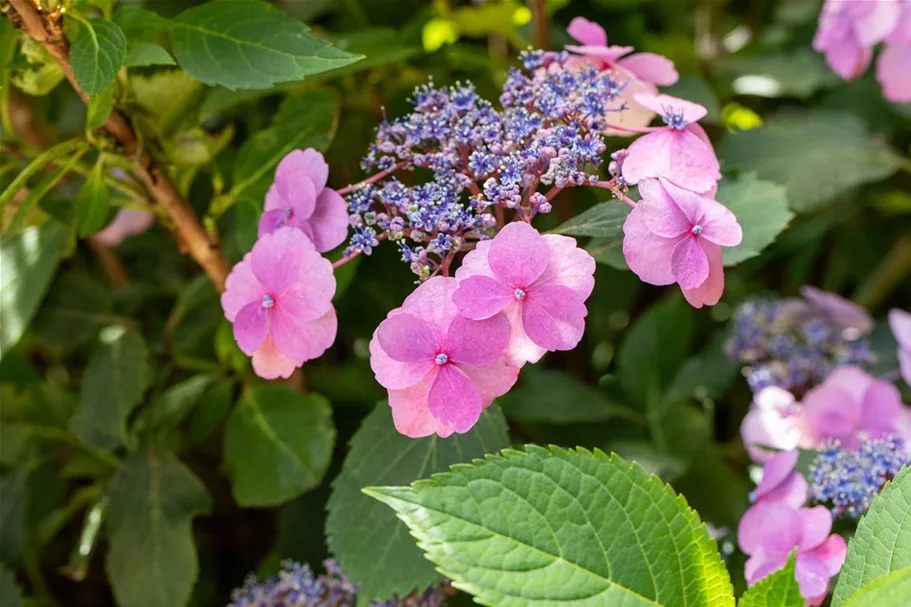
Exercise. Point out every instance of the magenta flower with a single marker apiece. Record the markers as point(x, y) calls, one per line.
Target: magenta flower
point(771, 424)
point(640, 72)
point(441, 369)
point(675, 235)
point(539, 282)
point(770, 531)
point(681, 152)
point(780, 483)
point(900, 323)
point(848, 30)
point(300, 199)
point(127, 222)
point(280, 301)
point(892, 70)
point(850, 406)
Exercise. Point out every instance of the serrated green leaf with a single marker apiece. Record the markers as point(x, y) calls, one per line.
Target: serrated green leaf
point(10, 593)
point(93, 202)
point(112, 386)
point(248, 44)
point(145, 54)
point(817, 156)
point(28, 262)
point(151, 559)
point(562, 527)
point(762, 211)
point(99, 108)
point(892, 590)
point(880, 544)
point(604, 220)
point(361, 532)
point(278, 444)
point(778, 589)
point(97, 54)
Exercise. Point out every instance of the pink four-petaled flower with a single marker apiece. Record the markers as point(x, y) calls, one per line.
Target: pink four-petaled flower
point(780, 483)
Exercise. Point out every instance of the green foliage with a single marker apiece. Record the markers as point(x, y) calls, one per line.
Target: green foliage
point(538, 527)
point(761, 208)
point(891, 590)
point(13, 508)
point(145, 54)
point(93, 201)
point(603, 221)
point(797, 74)
point(362, 532)
point(548, 396)
point(97, 55)
point(10, 593)
point(100, 108)
point(778, 589)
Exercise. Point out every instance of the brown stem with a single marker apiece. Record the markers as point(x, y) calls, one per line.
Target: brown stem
point(110, 262)
point(541, 24)
point(190, 235)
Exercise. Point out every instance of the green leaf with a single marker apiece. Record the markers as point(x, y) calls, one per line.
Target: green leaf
point(214, 406)
point(176, 403)
point(100, 108)
point(13, 512)
point(362, 532)
point(28, 262)
point(797, 74)
point(248, 44)
point(762, 210)
point(139, 23)
point(168, 101)
point(76, 308)
point(39, 73)
point(604, 220)
point(151, 559)
point(546, 527)
point(608, 251)
point(145, 54)
point(114, 381)
point(46, 157)
point(779, 589)
point(278, 444)
point(880, 544)
point(817, 155)
point(892, 590)
point(93, 202)
point(97, 55)
point(10, 593)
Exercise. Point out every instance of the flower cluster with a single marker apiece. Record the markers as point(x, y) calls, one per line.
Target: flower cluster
point(296, 586)
point(795, 343)
point(849, 479)
point(848, 31)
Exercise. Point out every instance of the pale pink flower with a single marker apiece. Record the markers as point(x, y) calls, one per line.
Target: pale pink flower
point(770, 531)
point(640, 72)
point(441, 369)
point(900, 323)
point(851, 405)
point(780, 483)
point(300, 199)
point(848, 30)
point(539, 282)
point(681, 152)
point(893, 67)
point(127, 222)
point(772, 423)
point(675, 235)
point(280, 301)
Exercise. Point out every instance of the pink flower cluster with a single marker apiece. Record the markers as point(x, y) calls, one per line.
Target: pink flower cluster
point(279, 297)
point(848, 31)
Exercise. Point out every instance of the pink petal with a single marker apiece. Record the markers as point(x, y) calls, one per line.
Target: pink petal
point(410, 413)
point(271, 221)
point(635, 116)
point(518, 255)
point(817, 524)
point(568, 265)
point(689, 263)
point(647, 255)
point(605, 54)
point(812, 576)
point(883, 410)
point(692, 112)
point(847, 58)
point(902, 32)
point(475, 262)
point(554, 317)
point(761, 565)
point(329, 221)
point(251, 326)
point(295, 192)
point(830, 412)
point(407, 338)
point(241, 288)
point(771, 527)
point(393, 374)
point(874, 24)
point(792, 491)
point(832, 552)
point(893, 72)
point(303, 339)
point(662, 215)
point(480, 297)
point(493, 380)
point(678, 156)
point(651, 67)
point(768, 427)
point(477, 342)
point(690, 203)
point(298, 278)
point(127, 222)
point(587, 32)
point(719, 225)
point(853, 380)
point(521, 348)
point(900, 323)
point(843, 312)
point(269, 363)
point(776, 470)
point(295, 168)
point(904, 364)
point(710, 291)
point(454, 400)
point(432, 301)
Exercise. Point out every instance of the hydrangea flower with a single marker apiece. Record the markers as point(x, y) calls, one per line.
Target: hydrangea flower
point(681, 152)
point(848, 30)
point(771, 423)
point(640, 72)
point(539, 282)
point(675, 235)
point(441, 369)
point(852, 405)
point(892, 65)
point(127, 222)
point(780, 483)
point(300, 199)
point(900, 323)
point(768, 532)
point(279, 298)
point(851, 318)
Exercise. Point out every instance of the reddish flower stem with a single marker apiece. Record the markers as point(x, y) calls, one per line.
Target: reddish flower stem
point(607, 185)
point(634, 129)
point(373, 179)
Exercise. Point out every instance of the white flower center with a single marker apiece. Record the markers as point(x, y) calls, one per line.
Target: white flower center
point(268, 302)
point(520, 294)
point(441, 358)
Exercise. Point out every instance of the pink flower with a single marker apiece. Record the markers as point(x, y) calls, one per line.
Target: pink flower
point(127, 222)
point(892, 67)
point(772, 423)
point(280, 301)
point(681, 152)
point(900, 323)
point(639, 72)
point(441, 369)
point(851, 405)
point(299, 198)
point(539, 282)
point(852, 318)
point(770, 531)
point(675, 235)
point(848, 30)
point(780, 483)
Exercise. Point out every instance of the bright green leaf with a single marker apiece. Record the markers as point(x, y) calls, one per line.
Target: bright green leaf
point(362, 532)
point(97, 55)
point(168, 101)
point(248, 44)
point(762, 211)
point(779, 589)
point(99, 108)
point(278, 444)
point(892, 590)
point(604, 220)
point(93, 202)
point(39, 73)
point(10, 593)
point(546, 527)
point(176, 403)
point(145, 54)
point(151, 559)
point(438, 32)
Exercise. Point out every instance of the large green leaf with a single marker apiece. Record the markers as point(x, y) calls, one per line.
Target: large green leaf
point(76, 308)
point(278, 444)
point(10, 593)
point(558, 527)
point(248, 44)
point(97, 54)
point(115, 379)
point(817, 156)
point(604, 220)
point(28, 262)
point(779, 589)
point(762, 210)
point(893, 590)
point(881, 542)
point(374, 547)
point(151, 559)
point(146, 53)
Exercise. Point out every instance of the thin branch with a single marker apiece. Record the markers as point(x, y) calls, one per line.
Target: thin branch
point(540, 23)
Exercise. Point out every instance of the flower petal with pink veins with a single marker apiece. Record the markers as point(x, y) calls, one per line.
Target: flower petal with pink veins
point(883, 410)
point(760, 566)
point(660, 104)
point(689, 263)
point(635, 116)
point(647, 255)
point(817, 524)
point(893, 72)
point(454, 399)
point(518, 255)
point(302, 164)
point(521, 348)
point(710, 291)
point(843, 312)
point(297, 193)
point(876, 21)
point(251, 326)
point(678, 156)
point(662, 215)
point(792, 492)
point(853, 380)
point(776, 470)
point(832, 552)
point(568, 265)
point(587, 32)
point(410, 413)
point(480, 297)
point(812, 576)
point(719, 224)
point(407, 338)
point(303, 339)
point(241, 288)
point(493, 380)
point(554, 317)
point(477, 342)
point(651, 67)
point(432, 301)
point(269, 363)
point(771, 527)
point(395, 375)
point(830, 412)
point(276, 257)
point(848, 58)
point(329, 221)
